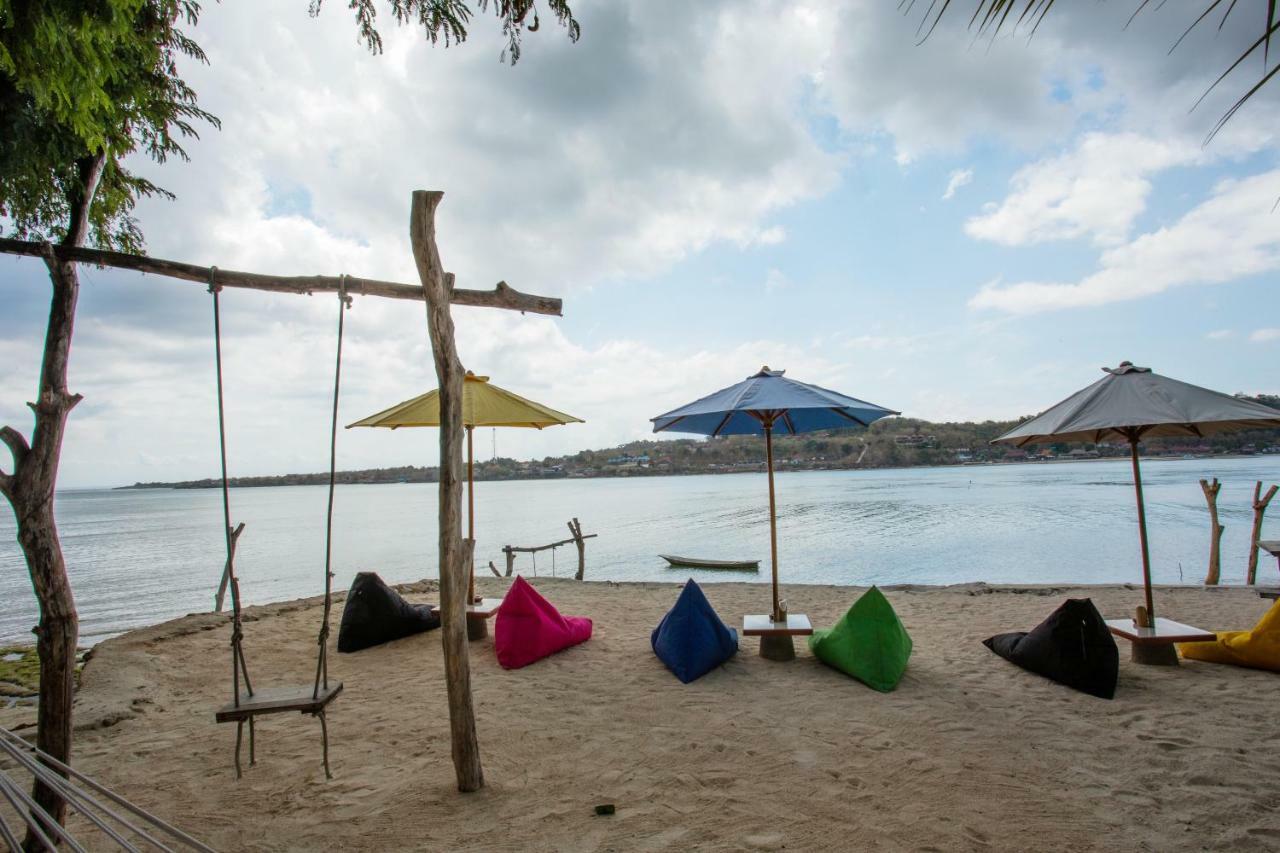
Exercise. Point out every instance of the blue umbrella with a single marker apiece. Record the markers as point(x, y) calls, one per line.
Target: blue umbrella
point(760, 404)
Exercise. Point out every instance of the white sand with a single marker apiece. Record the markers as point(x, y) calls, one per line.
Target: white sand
point(969, 753)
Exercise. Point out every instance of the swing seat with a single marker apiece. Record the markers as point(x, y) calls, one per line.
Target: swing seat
point(275, 700)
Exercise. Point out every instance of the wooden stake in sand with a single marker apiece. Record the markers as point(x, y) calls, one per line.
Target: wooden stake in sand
point(1259, 509)
point(1216, 528)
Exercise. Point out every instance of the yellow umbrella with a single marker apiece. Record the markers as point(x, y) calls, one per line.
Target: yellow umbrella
point(483, 404)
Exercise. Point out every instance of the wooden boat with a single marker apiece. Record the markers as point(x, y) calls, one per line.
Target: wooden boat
point(697, 563)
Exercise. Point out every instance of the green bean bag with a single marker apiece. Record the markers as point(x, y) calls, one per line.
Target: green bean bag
point(868, 643)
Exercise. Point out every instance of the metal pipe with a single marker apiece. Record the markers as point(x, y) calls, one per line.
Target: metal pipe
point(108, 793)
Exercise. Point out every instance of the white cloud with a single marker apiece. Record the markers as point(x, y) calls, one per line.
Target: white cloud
point(958, 179)
point(1095, 191)
point(776, 280)
point(1220, 335)
point(1229, 236)
point(1260, 336)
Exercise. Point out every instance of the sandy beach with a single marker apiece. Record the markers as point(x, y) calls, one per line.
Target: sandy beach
point(969, 753)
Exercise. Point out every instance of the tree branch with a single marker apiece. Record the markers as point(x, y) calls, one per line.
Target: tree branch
point(502, 296)
point(17, 445)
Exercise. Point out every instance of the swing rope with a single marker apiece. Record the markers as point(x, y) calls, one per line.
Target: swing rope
point(322, 662)
point(238, 666)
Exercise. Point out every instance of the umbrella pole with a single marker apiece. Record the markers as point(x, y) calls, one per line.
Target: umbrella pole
point(471, 517)
point(773, 520)
point(1142, 529)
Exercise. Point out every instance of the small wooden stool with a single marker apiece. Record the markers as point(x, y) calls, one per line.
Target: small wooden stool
point(1155, 646)
point(277, 700)
point(775, 637)
point(478, 616)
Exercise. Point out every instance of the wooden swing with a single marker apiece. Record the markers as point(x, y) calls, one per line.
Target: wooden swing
point(307, 699)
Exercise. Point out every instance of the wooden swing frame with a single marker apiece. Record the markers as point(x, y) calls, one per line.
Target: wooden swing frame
point(435, 291)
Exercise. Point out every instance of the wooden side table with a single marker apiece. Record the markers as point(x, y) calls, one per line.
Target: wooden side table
point(775, 637)
point(478, 616)
point(1155, 645)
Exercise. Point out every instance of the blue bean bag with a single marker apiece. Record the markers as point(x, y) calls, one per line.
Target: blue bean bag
point(691, 640)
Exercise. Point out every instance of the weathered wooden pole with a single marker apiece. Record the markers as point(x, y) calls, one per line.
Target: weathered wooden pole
point(1259, 509)
point(575, 527)
point(30, 490)
point(1215, 531)
point(436, 287)
point(503, 295)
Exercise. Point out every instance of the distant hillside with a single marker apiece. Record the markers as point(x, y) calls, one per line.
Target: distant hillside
point(889, 443)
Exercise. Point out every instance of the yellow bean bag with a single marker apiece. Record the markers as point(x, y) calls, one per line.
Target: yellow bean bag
point(1259, 648)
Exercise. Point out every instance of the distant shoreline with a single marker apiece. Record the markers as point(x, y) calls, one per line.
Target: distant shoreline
point(276, 481)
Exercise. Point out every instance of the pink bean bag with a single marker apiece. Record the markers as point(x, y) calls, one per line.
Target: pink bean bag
point(529, 628)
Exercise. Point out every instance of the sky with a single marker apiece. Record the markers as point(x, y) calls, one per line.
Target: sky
point(959, 229)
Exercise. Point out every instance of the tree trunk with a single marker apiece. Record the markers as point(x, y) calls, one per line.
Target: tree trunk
point(30, 490)
point(436, 286)
point(1259, 509)
point(1215, 531)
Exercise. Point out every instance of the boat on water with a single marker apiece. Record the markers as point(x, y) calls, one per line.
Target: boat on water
point(698, 563)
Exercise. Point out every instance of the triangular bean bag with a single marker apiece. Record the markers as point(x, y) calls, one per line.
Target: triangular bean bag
point(1072, 647)
point(1258, 648)
point(868, 643)
point(691, 640)
point(528, 627)
point(375, 614)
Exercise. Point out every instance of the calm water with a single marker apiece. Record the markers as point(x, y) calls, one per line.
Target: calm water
point(139, 557)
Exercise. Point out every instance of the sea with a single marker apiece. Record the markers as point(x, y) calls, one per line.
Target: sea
point(138, 557)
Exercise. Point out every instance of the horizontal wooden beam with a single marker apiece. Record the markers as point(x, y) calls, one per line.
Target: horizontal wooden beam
point(532, 549)
point(502, 296)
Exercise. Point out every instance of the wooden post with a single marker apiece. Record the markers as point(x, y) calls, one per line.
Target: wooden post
point(30, 491)
point(575, 527)
point(226, 571)
point(1259, 509)
point(1142, 528)
point(471, 518)
point(1215, 531)
point(436, 286)
point(773, 520)
point(511, 560)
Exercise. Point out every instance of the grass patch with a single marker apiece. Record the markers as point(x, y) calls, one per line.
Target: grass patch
point(19, 671)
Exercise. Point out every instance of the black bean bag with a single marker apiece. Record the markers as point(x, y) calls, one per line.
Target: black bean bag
point(375, 614)
point(1072, 647)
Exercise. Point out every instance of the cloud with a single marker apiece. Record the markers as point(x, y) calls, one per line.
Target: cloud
point(776, 280)
point(1220, 335)
point(958, 179)
point(1229, 236)
point(1094, 191)
point(1261, 336)
point(588, 167)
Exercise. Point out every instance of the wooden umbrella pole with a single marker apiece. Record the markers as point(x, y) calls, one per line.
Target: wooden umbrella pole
point(1142, 529)
point(773, 518)
point(471, 515)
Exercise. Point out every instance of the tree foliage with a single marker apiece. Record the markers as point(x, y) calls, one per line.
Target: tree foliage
point(447, 20)
point(991, 16)
point(79, 77)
